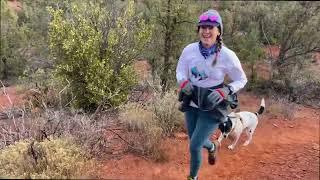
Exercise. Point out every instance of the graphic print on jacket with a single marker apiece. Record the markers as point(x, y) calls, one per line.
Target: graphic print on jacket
point(198, 75)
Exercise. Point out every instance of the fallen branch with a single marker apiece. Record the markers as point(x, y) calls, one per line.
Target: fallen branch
point(3, 116)
point(121, 138)
point(126, 142)
point(11, 114)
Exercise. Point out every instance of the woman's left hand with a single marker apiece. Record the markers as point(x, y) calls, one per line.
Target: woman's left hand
point(218, 95)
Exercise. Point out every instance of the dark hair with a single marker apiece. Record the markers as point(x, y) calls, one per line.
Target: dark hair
point(218, 49)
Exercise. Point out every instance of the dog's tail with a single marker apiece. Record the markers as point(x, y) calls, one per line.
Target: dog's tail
point(262, 106)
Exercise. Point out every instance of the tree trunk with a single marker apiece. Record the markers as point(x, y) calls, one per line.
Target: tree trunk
point(5, 69)
point(166, 64)
point(167, 49)
point(281, 56)
point(280, 61)
point(271, 75)
point(253, 74)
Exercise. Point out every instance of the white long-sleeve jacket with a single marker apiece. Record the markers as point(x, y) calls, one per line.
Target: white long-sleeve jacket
point(193, 66)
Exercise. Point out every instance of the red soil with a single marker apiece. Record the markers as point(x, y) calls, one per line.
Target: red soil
point(9, 97)
point(281, 149)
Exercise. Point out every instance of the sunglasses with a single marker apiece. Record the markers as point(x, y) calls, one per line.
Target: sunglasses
point(207, 17)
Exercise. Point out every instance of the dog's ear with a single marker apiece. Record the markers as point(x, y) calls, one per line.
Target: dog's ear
point(228, 126)
point(221, 126)
point(224, 127)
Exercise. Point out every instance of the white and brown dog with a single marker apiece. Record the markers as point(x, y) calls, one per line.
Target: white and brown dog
point(237, 123)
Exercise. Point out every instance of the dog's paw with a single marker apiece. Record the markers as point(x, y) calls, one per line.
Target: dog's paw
point(231, 147)
point(246, 143)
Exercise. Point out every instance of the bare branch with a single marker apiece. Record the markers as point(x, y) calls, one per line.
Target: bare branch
point(5, 93)
point(315, 49)
point(265, 36)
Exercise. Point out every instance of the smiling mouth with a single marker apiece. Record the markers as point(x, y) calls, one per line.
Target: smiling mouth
point(206, 36)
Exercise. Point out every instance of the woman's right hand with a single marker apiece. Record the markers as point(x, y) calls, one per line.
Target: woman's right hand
point(186, 87)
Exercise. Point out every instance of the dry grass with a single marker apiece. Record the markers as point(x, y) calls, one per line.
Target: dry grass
point(52, 158)
point(165, 109)
point(144, 133)
point(151, 122)
point(46, 113)
point(137, 117)
point(282, 108)
point(87, 131)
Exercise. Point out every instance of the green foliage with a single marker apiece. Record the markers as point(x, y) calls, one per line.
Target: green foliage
point(249, 50)
point(246, 16)
point(295, 25)
point(175, 27)
point(94, 50)
point(35, 18)
point(292, 26)
point(13, 38)
point(55, 158)
point(241, 32)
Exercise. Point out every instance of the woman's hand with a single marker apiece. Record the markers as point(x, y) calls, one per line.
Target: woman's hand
point(218, 95)
point(186, 87)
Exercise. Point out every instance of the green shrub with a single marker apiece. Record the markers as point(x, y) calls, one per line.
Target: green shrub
point(55, 158)
point(94, 53)
point(13, 38)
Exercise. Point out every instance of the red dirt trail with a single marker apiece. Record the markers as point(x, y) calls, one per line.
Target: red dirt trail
point(281, 149)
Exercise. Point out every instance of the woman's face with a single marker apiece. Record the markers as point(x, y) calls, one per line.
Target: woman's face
point(208, 35)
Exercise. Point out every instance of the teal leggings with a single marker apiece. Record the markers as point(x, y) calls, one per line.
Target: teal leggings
point(200, 125)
